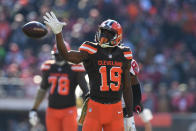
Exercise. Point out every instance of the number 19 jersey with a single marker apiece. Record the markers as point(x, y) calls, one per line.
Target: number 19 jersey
point(105, 68)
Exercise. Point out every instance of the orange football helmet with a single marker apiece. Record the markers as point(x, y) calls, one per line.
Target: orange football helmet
point(112, 31)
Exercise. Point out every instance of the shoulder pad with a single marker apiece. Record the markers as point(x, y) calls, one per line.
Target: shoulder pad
point(46, 65)
point(127, 52)
point(89, 47)
point(134, 67)
point(78, 68)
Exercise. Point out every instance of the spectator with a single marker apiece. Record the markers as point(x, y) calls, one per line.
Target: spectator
point(183, 102)
point(163, 102)
point(148, 98)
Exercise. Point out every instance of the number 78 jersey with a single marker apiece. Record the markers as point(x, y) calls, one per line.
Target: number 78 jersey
point(61, 80)
point(105, 70)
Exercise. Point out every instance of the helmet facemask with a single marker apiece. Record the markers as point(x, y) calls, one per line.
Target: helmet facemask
point(105, 37)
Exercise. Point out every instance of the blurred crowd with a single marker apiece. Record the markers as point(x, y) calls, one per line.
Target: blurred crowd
point(161, 34)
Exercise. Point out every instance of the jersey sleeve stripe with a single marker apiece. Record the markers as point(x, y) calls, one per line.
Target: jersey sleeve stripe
point(88, 48)
point(128, 55)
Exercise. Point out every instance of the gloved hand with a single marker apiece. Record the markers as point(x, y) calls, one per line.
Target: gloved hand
point(129, 124)
point(33, 117)
point(53, 22)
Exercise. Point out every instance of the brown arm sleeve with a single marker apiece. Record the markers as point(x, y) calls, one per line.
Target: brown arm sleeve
point(72, 56)
point(127, 90)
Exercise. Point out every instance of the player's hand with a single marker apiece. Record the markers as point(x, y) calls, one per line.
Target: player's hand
point(33, 117)
point(129, 124)
point(51, 21)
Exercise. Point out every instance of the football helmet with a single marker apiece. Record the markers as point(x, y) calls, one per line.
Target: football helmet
point(56, 54)
point(109, 34)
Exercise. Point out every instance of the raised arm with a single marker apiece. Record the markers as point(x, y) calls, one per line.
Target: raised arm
point(73, 55)
point(56, 26)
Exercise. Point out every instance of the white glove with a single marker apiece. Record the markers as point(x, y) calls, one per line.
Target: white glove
point(53, 22)
point(129, 124)
point(146, 115)
point(33, 118)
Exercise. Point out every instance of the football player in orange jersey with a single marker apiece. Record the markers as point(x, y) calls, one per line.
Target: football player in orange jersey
point(107, 65)
point(61, 78)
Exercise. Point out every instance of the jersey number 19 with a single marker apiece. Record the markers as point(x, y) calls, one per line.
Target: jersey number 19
point(115, 76)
